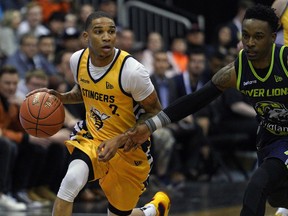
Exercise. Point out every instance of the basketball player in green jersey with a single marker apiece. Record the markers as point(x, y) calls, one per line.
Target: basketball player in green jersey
point(117, 94)
point(261, 74)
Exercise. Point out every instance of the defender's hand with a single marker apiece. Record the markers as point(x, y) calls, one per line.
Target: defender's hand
point(108, 148)
point(138, 135)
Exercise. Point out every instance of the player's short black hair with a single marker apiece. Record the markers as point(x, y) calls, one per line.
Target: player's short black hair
point(264, 13)
point(96, 15)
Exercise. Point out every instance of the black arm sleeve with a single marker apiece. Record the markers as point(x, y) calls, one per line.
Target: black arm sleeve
point(191, 103)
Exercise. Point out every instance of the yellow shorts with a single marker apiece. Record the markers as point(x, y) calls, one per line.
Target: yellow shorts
point(124, 178)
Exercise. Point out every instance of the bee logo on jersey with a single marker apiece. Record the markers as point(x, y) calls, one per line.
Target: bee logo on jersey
point(98, 117)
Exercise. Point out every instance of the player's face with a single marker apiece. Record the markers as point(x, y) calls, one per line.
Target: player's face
point(101, 38)
point(257, 39)
point(8, 84)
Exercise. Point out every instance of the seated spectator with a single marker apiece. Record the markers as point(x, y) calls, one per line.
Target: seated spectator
point(27, 57)
point(154, 43)
point(110, 7)
point(46, 47)
point(51, 160)
point(85, 10)
point(8, 37)
point(192, 131)
point(8, 145)
point(51, 6)
point(32, 22)
point(178, 55)
point(163, 139)
point(126, 41)
point(223, 41)
point(33, 79)
point(70, 20)
point(56, 25)
point(215, 62)
point(11, 130)
point(70, 40)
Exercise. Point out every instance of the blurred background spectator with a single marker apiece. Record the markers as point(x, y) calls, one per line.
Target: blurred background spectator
point(49, 7)
point(27, 57)
point(154, 44)
point(32, 22)
point(8, 38)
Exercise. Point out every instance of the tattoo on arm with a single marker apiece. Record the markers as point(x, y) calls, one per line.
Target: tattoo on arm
point(151, 105)
point(74, 96)
point(224, 78)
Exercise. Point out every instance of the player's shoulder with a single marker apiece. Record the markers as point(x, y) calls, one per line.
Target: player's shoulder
point(76, 55)
point(131, 62)
point(134, 67)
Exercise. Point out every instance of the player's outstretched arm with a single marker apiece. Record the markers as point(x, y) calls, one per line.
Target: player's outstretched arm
point(225, 78)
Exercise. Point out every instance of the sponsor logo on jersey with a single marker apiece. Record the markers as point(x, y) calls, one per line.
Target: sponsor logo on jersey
point(109, 85)
point(278, 78)
point(249, 82)
point(84, 80)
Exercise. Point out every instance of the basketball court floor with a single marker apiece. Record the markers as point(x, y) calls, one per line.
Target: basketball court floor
point(215, 198)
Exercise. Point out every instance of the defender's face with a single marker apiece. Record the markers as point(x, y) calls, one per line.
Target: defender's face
point(257, 38)
point(101, 37)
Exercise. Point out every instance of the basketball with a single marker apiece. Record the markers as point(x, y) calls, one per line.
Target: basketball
point(42, 114)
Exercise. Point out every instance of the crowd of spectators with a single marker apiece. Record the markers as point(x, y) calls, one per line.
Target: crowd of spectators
point(37, 39)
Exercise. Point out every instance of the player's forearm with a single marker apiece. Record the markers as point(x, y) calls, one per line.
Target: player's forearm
point(151, 105)
point(184, 106)
point(72, 97)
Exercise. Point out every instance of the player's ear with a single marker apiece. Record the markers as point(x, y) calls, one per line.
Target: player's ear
point(85, 36)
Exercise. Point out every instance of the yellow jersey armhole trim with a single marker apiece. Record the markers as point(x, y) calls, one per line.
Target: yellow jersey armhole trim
point(239, 69)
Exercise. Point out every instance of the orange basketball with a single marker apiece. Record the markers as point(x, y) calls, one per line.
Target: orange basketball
point(42, 114)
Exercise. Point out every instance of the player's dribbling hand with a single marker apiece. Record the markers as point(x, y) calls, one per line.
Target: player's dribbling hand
point(137, 136)
point(50, 91)
point(108, 148)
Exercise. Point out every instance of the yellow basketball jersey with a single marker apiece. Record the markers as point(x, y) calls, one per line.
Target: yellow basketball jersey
point(284, 21)
point(109, 110)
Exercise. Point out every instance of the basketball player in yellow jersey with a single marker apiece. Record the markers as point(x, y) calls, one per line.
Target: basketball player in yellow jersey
point(280, 7)
point(117, 93)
